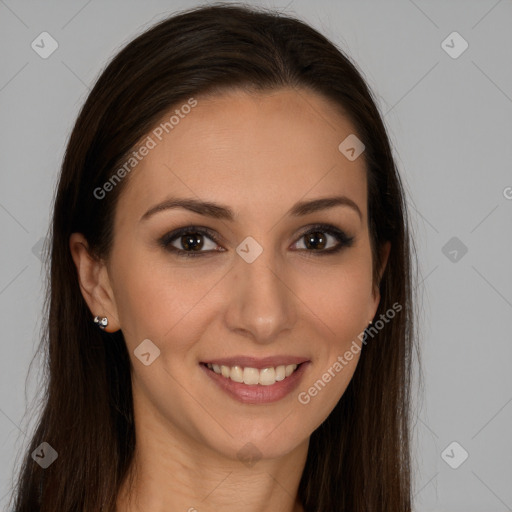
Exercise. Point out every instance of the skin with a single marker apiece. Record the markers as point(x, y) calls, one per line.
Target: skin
point(259, 154)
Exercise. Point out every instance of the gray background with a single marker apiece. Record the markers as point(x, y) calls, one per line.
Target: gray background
point(450, 122)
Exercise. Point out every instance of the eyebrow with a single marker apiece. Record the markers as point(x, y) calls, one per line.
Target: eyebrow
point(218, 211)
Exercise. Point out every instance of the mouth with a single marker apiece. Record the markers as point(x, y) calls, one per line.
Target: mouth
point(256, 382)
point(253, 376)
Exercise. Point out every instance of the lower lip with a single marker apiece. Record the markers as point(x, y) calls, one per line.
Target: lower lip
point(257, 394)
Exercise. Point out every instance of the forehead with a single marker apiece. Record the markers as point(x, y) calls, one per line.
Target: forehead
point(259, 150)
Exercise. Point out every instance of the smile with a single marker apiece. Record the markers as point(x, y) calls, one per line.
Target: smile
point(253, 376)
point(251, 385)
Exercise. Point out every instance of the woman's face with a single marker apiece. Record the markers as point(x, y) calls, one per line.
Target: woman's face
point(265, 288)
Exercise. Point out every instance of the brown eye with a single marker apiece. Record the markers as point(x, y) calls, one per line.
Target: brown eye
point(322, 239)
point(315, 240)
point(190, 241)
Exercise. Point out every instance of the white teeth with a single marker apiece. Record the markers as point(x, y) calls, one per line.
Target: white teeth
point(253, 376)
point(267, 376)
point(237, 374)
point(280, 373)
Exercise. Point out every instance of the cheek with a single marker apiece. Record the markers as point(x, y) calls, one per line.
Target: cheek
point(156, 298)
point(341, 298)
point(138, 292)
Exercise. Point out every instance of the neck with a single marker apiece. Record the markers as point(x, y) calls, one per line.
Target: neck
point(172, 471)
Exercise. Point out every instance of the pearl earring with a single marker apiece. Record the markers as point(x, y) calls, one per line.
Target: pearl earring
point(101, 322)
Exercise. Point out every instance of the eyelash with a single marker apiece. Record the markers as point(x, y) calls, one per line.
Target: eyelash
point(343, 240)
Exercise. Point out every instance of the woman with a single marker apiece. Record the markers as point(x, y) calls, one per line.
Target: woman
point(230, 320)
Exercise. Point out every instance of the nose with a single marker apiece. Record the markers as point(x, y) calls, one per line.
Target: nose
point(261, 302)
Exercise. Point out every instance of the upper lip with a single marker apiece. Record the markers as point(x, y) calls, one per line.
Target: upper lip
point(258, 363)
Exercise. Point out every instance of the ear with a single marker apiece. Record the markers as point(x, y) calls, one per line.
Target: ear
point(384, 255)
point(94, 281)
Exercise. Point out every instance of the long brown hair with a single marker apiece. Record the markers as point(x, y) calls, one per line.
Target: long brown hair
point(358, 459)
